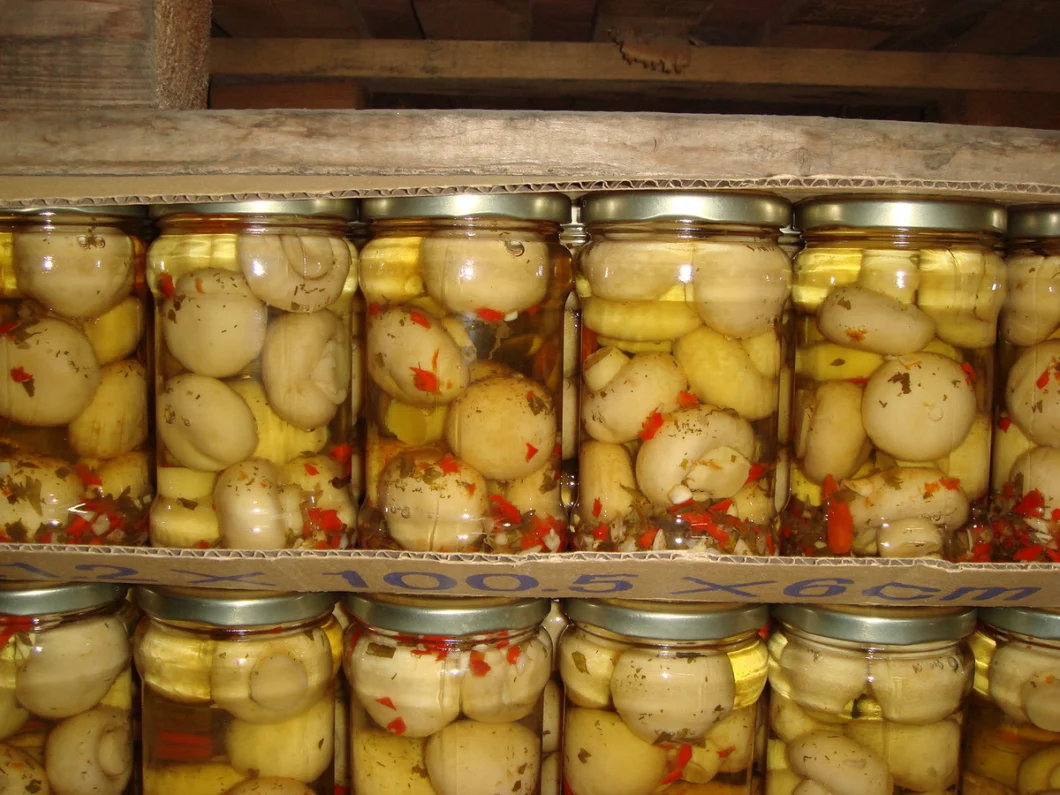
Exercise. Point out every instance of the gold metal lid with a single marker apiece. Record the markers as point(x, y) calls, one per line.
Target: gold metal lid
point(757, 209)
point(42, 600)
point(897, 626)
point(667, 620)
point(95, 210)
point(1034, 222)
point(555, 207)
point(900, 212)
point(339, 208)
point(231, 608)
point(449, 616)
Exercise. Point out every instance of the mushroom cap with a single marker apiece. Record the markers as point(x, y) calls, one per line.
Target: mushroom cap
point(906, 493)
point(740, 289)
point(295, 273)
point(271, 786)
point(1032, 393)
point(305, 367)
point(865, 320)
point(1039, 772)
point(319, 479)
point(910, 538)
point(969, 462)
point(602, 756)
point(12, 714)
point(174, 664)
point(819, 270)
point(504, 273)
point(278, 440)
point(890, 272)
point(45, 490)
point(75, 274)
point(1014, 666)
point(383, 764)
point(21, 773)
point(839, 765)
point(961, 282)
point(390, 269)
point(117, 332)
point(115, 420)
point(203, 424)
point(129, 474)
point(251, 511)
point(921, 758)
point(471, 758)
point(71, 667)
point(826, 361)
point(538, 492)
point(721, 371)
point(733, 740)
point(918, 407)
point(301, 747)
point(671, 698)
point(433, 502)
point(820, 678)
point(640, 321)
point(551, 716)
point(831, 439)
point(424, 690)
point(617, 409)
point(270, 681)
point(91, 753)
point(511, 687)
point(411, 424)
point(51, 372)
point(213, 324)
point(632, 269)
point(921, 689)
point(586, 666)
point(788, 720)
point(412, 357)
point(183, 523)
point(208, 778)
point(1031, 313)
point(503, 427)
point(605, 478)
point(1039, 470)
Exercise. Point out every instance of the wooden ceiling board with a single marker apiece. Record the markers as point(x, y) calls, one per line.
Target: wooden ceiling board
point(1012, 27)
point(669, 17)
point(390, 19)
point(323, 19)
point(474, 20)
point(562, 20)
point(886, 15)
point(826, 37)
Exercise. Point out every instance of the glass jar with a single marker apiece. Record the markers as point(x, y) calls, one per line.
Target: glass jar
point(452, 694)
point(896, 305)
point(77, 461)
point(66, 690)
point(867, 701)
point(238, 689)
point(1012, 741)
point(682, 300)
point(1026, 474)
point(661, 695)
point(464, 396)
point(574, 236)
point(253, 311)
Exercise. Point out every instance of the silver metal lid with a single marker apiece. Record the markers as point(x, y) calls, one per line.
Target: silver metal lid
point(1043, 624)
point(97, 210)
point(43, 600)
point(897, 212)
point(447, 616)
point(758, 209)
point(554, 207)
point(1034, 222)
point(667, 620)
point(340, 208)
point(222, 608)
point(897, 626)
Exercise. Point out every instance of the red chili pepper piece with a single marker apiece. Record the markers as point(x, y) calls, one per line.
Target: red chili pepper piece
point(504, 510)
point(478, 664)
point(424, 380)
point(374, 308)
point(165, 284)
point(1028, 553)
point(198, 286)
point(19, 375)
point(755, 472)
point(950, 484)
point(9, 625)
point(1004, 423)
point(598, 508)
point(589, 342)
point(310, 469)
point(489, 315)
point(88, 477)
point(651, 426)
point(513, 655)
point(327, 520)
point(687, 400)
point(1043, 379)
point(1032, 502)
point(396, 727)
point(840, 524)
point(860, 381)
point(386, 702)
point(601, 532)
point(677, 765)
point(419, 319)
point(647, 538)
point(724, 752)
point(531, 451)
point(969, 372)
point(448, 464)
point(8, 327)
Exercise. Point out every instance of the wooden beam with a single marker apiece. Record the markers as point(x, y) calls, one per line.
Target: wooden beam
point(505, 20)
point(562, 20)
point(311, 94)
point(324, 19)
point(390, 19)
point(827, 37)
point(92, 53)
point(1012, 27)
point(397, 65)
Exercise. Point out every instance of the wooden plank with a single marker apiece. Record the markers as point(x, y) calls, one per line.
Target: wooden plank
point(91, 53)
point(1012, 27)
point(313, 94)
point(827, 37)
point(390, 19)
point(1012, 108)
point(586, 67)
point(482, 20)
point(674, 18)
point(287, 19)
point(562, 20)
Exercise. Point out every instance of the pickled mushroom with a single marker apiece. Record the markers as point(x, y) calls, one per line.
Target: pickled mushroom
point(1032, 393)
point(117, 332)
point(839, 765)
point(969, 462)
point(271, 786)
point(390, 269)
point(20, 773)
point(411, 424)
point(538, 492)
point(209, 778)
point(301, 747)
point(733, 739)
point(384, 764)
point(830, 439)
point(253, 510)
point(586, 667)
point(639, 321)
point(268, 681)
point(1007, 444)
point(740, 289)
point(508, 685)
point(90, 753)
point(75, 274)
point(115, 420)
point(1039, 470)
point(866, 320)
point(52, 372)
point(12, 714)
point(1017, 672)
point(213, 324)
point(906, 493)
point(470, 758)
point(551, 716)
point(963, 291)
point(624, 392)
point(602, 756)
point(174, 665)
point(1039, 773)
point(823, 679)
point(788, 720)
point(465, 274)
point(40, 492)
point(128, 474)
point(176, 524)
point(320, 482)
point(278, 440)
point(910, 538)
point(890, 272)
point(295, 273)
point(634, 270)
point(203, 424)
point(1032, 308)
point(919, 689)
point(826, 361)
point(722, 372)
point(821, 270)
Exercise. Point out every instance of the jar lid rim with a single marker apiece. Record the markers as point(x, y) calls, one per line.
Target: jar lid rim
point(97, 210)
point(554, 207)
point(890, 626)
point(445, 615)
point(900, 212)
point(1034, 221)
point(1023, 620)
point(668, 620)
point(339, 208)
point(23, 599)
point(721, 207)
point(232, 608)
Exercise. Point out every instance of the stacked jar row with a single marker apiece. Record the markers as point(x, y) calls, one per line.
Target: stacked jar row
point(705, 397)
point(241, 694)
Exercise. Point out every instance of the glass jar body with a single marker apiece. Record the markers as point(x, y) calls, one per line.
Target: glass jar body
point(458, 715)
point(256, 382)
point(74, 359)
point(894, 346)
point(1026, 450)
point(682, 329)
point(643, 714)
point(66, 701)
point(891, 713)
point(464, 385)
point(222, 706)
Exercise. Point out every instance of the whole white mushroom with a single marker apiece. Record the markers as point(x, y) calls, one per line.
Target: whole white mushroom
point(740, 288)
point(471, 758)
point(115, 420)
point(963, 290)
point(1018, 671)
point(1032, 307)
point(295, 273)
point(174, 664)
point(622, 393)
point(512, 684)
point(212, 323)
point(39, 492)
point(890, 272)
point(117, 332)
point(50, 372)
point(1039, 773)
point(640, 321)
point(866, 320)
point(586, 666)
point(1007, 443)
point(920, 689)
point(22, 773)
point(207, 778)
point(390, 269)
point(915, 537)
point(184, 523)
point(305, 367)
point(822, 679)
point(922, 758)
point(301, 747)
point(631, 269)
point(839, 765)
point(788, 720)
point(253, 509)
point(91, 753)
point(203, 424)
point(278, 440)
point(830, 439)
point(1038, 470)
point(320, 482)
point(1032, 393)
point(606, 483)
point(601, 756)
point(12, 714)
point(383, 764)
point(503, 272)
point(271, 785)
point(723, 373)
point(906, 493)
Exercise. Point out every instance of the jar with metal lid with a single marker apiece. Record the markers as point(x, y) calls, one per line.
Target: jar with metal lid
point(896, 306)
point(463, 354)
point(1026, 476)
point(451, 696)
point(1012, 739)
point(867, 701)
point(238, 691)
point(74, 448)
point(255, 379)
point(661, 696)
point(66, 689)
point(682, 298)
point(574, 236)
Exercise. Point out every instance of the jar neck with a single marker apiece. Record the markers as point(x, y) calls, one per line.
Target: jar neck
point(420, 227)
point(70, 221)
point(12, 624)
point(492, 638)
point(251, 224)
point(1003, 636)
point(870, 647)
point(722, 644)
point(1040, 246)
point(877, 237)
point(690, 229)
point(249, 632)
